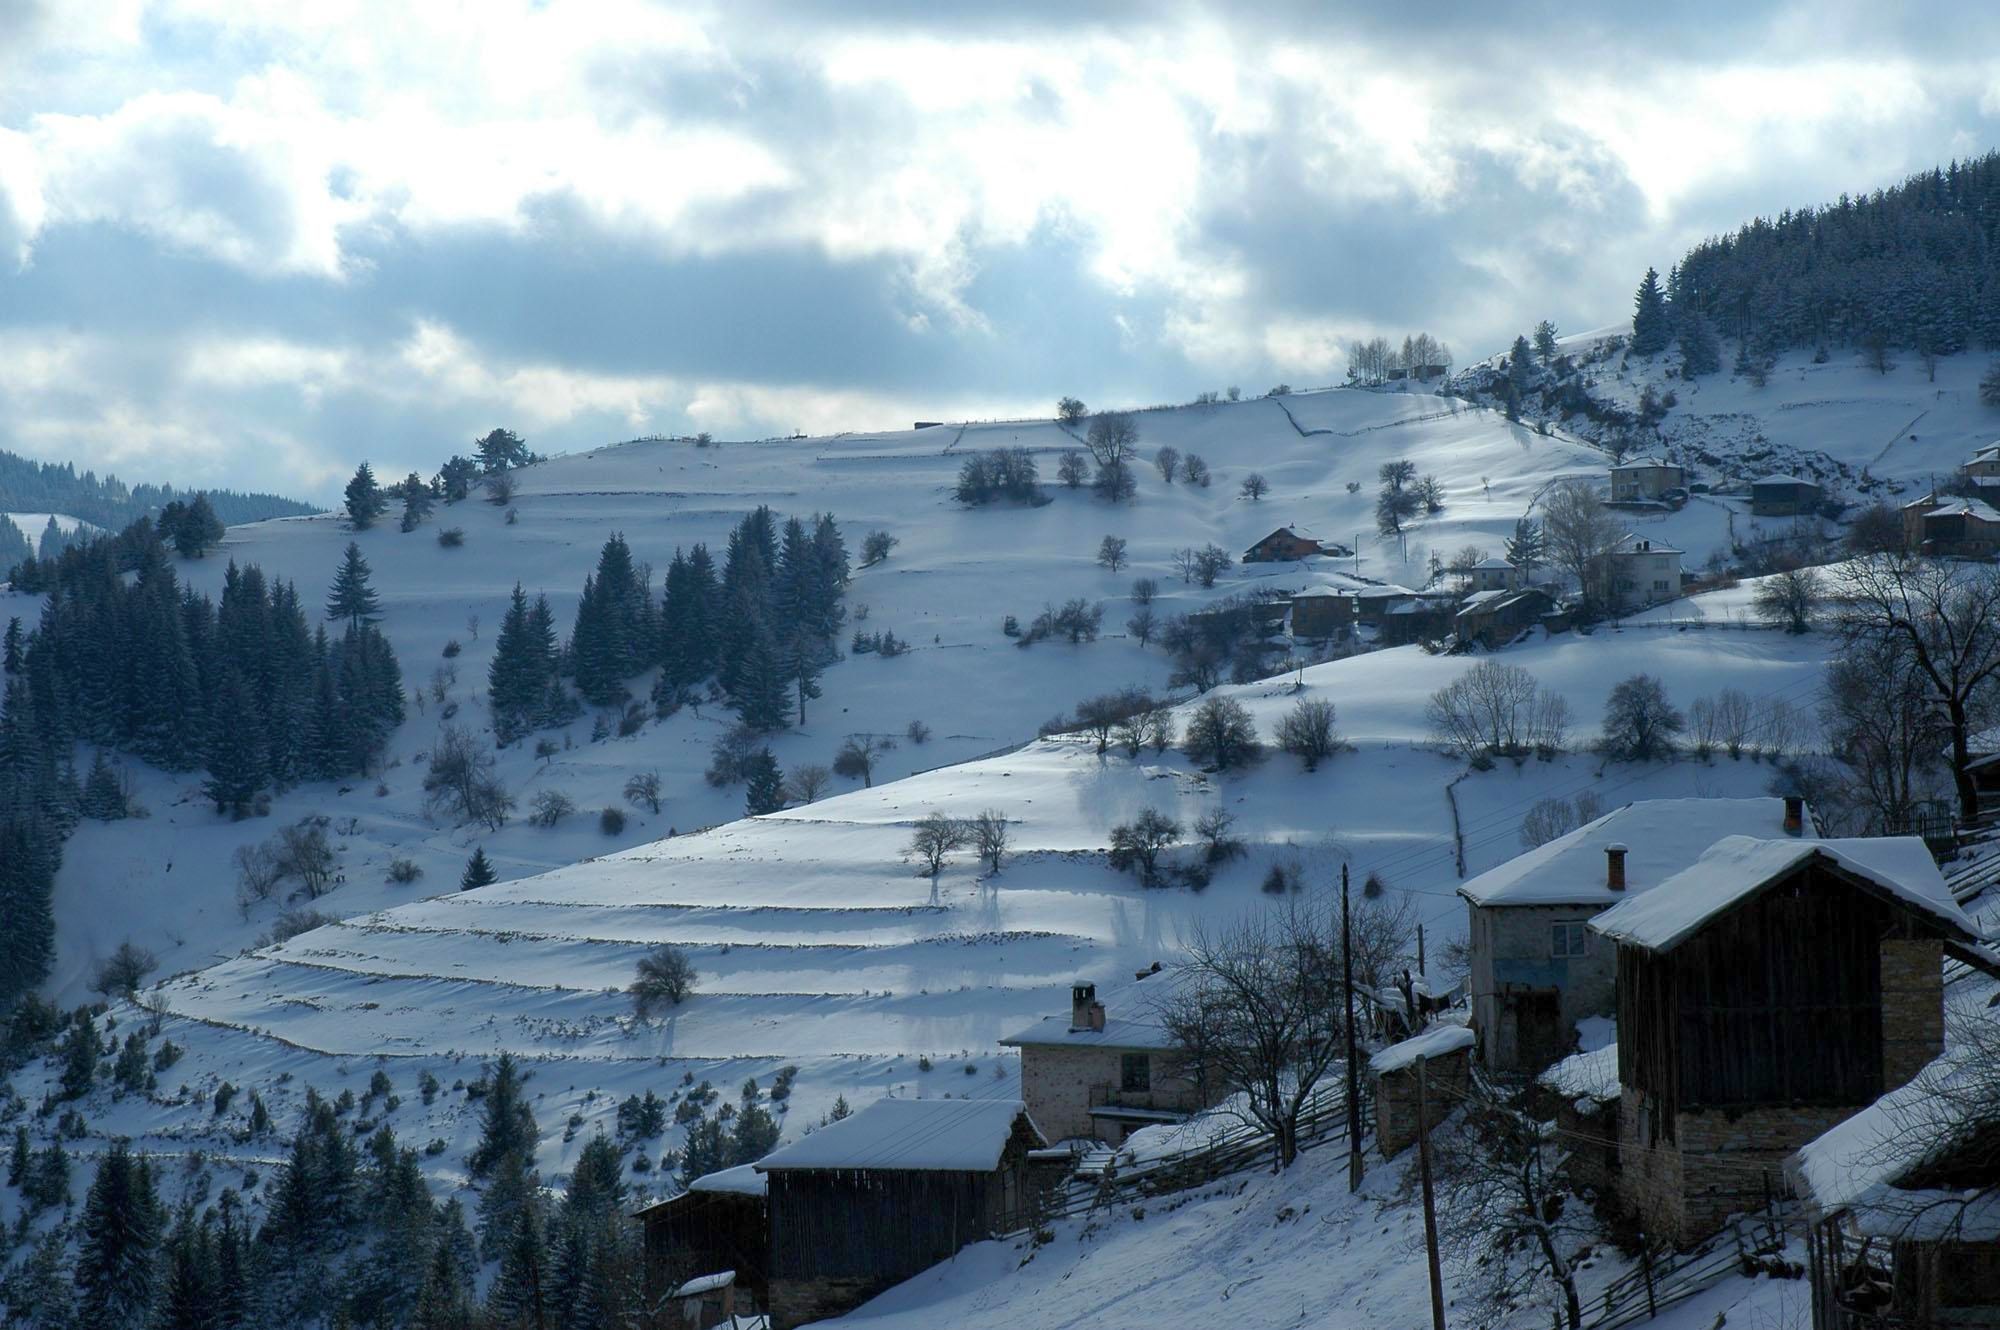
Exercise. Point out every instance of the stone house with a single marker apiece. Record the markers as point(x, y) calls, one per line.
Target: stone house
point(1373, 604)
point(1403, 1109)
point(1536, 969)
point(1425, 616)
point(1958, 527)
point(1983, 468)
point(1645, 478)
point(1783, 496)
point(1495, 574)
point(862, 1204)
point(1095, 1076)
point(1580, 1094)
point(1767, 992)
point(1638, 571)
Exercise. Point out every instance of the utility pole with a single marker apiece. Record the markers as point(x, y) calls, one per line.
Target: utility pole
point(1430, 1207)
point(1421, 967)
point(1353, 1076)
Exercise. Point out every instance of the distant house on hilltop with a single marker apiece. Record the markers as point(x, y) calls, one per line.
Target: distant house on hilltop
point(1783, 496)
point(1289, 543)
point(1768, 991)
point(1536, 970)
point(1645, 478)
point(1098, 1076)
point(862, 1204)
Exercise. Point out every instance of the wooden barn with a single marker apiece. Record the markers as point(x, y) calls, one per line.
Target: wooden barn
point(1783, 496)
point(1767, 992)
point(1902, 1203)
point(1495, 618)
point(1321, 613)
point(862, 1204)
point(716, 1226)
point(1288, 543)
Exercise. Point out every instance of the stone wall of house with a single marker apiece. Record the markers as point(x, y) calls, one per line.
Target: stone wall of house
point(1912, 1008)
point(1057, 1081)
point(1511, 947)
point(797, 1302)
point(1397, 1109)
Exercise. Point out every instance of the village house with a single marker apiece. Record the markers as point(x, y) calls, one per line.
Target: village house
point(1495, 618)
point(1638, 571)
point(1956, 527)
point(1783, 496)
point(1902, 1204)
point(1766, 992)
point(1425, 617)
point(716, 1226)
point(1645, 479)
point(1322, 613)
point(1984, 467)
point(1373, 604)
point(1536, 969)
point(1095, 1076)
point(1984, 767)
point(1495, 574)
point(862, 1204)
point(1290, 543)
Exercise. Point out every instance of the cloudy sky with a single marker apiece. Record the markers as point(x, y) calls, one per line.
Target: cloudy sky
point(249, 242)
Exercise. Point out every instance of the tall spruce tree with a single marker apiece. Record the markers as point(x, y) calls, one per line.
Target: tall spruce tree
point(418, 501)
point(116, 1281)
point(237, 769)
point(365, 500)
point(508, 1125)
point(478, 871)
point(352, 597)
point(1650, 324)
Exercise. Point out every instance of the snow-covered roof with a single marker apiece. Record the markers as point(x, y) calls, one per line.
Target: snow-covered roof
point(923, 1135)
point(1776, 479)
point(1975, 508)
point(1387, 589)
point(1643, 464)
point(694, 1288)
point(1592, 1076)
point(1478, 598)
point(743, 1180)
point(1637, 544)
point(1435, 1042)
point(1737, 867)
point(1988, 453)
point(1117, 1033)
point(1494, 564)
point(1661, 836)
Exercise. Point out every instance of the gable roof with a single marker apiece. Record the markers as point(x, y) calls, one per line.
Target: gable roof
point(1661, 836)
point(1295, 532)
point(1135, 1025)
point(1645, 463)
point(1976, 508)
point(910, 1135)
point(1633, 543)
point(1776, 479)
point(1737, 868)
point(1496, 563)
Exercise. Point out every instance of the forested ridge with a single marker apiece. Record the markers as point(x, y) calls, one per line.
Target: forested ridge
point(28, 486)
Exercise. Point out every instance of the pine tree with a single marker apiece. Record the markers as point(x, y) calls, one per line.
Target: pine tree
point(10, 648)
point(17, 1162)
point(115, 1281)
point(236, 748)
point(30, 853)
point(365, 500)
point(80, 1052)
point(765, 784)
point(801, 666)
point(501, 449)
point(1520, 365)
point(1527, 548)
point(103, 794)
point(478, 872)
point(1650, 327)
point(417, 501)
point(1545, 342)
point(520, 1291)
point(189, 1287)
point(508, 1126)
point(352, 597)
point(761, 696)
point(516, 681)
point(1701, 353)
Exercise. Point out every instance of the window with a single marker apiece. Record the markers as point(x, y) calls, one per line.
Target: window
point(1135, 1073)
point(1660, 584)
point(1566, 940)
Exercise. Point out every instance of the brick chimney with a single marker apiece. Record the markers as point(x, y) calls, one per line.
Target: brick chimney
point(1082, 998)
point(1614, 867)
point(1097, 1017)
point(1795, 815)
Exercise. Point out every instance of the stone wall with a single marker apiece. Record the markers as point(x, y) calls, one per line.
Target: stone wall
point(1397, 1116)
point(797, 1302)
point(1912, 1008)
point(1511, 948)
point(1057, 1080)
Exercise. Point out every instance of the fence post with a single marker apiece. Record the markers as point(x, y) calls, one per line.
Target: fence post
point(1646, 1263)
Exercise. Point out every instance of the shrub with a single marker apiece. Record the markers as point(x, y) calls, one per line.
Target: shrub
point(611, 821)
point(292, 923)
point(121, 972)
point(664, 975)
point(875, 547)
point(452, 537)
point(917, 732)
point(452, 648)
point(404, 871)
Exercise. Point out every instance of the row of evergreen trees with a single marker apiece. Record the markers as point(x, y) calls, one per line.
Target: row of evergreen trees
point(350, 1235)
point(1916, 266)
point(55, 487)
point(126, 658)
point(761, 629)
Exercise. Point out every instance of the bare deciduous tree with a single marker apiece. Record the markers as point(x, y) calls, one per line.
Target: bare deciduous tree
point(643, 791)
point(1578, 532)
point(1640, 723)
point(807, 782)
point(1495, 710)
point(1168, 460)
point(1257, 1005)
point(1307, 732)
point(1879, 720)
point(303, 852)
point(1221, 734)
point(1255, 487)
point(1113, 439)
point(989, 837)
point(459, 780)
point(665, 975)
point(1139, 843)
point(933, 840)
point(1947, 614)
point(1791, 599)
point(1111, 552)
point(857, 756)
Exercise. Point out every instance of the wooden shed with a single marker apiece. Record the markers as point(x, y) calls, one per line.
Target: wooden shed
point(1767, 992)
point(1322, 612)
point(1783, 496)
point(718, 1224)
point(864, 1203)
point(1495, 618)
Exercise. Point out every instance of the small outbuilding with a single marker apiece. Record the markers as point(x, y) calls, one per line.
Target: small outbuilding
point(1767, 992)
point(862, 1204)
point(1783, 496)
point(1404, 1109)
point(718, 1224)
